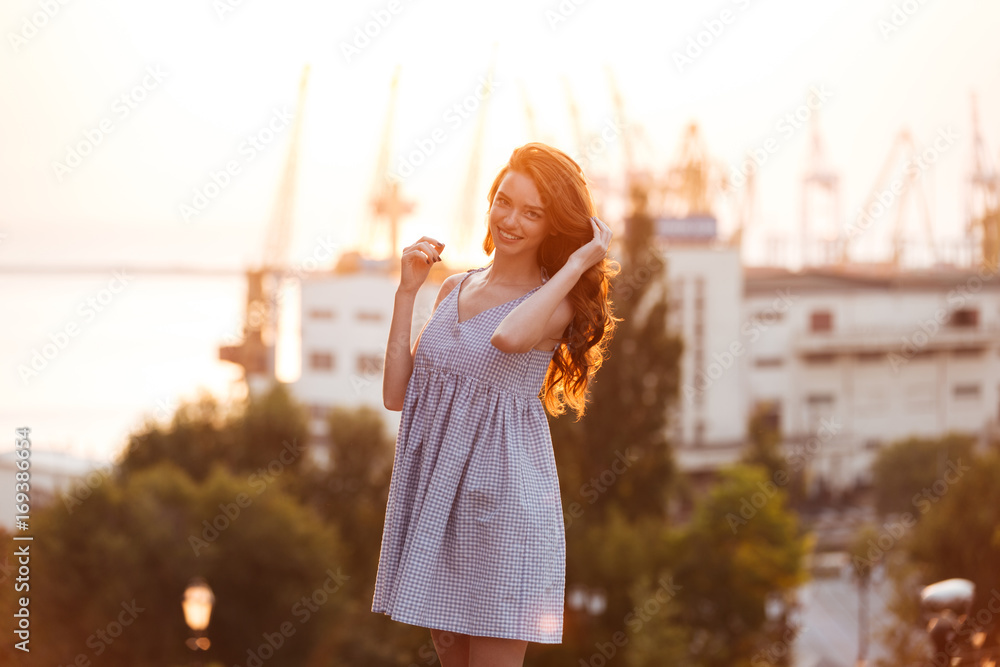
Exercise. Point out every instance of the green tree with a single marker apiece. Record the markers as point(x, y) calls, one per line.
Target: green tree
point(352, 493)
point(629, 398)
point(904, 469)
point(765, 450)
point(615, 464)
point(351, 496)
point(957, 536)
point(742, 547)
point(265, 430)
point(108, 577)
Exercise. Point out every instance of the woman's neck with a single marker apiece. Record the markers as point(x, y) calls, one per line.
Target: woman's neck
point(520, 271)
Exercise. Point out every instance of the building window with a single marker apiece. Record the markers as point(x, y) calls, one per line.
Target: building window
point(768, 362)
point(820, 400)
point(770, 414)
point(321, 361)
point(870, 357)
point(966, 391)
point(968, 352)
point(321, 314)
point(821, 320)
point(370, 364)
point(964, 317)
point(767, 317)
point(819, 357)
point(699, 433)
point(369, 316)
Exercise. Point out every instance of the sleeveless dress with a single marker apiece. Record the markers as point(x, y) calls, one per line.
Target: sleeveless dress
point(474, 540)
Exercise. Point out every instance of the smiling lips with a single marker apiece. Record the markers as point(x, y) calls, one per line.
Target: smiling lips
point(508, 236)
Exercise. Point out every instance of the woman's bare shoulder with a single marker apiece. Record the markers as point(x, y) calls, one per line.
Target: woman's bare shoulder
point(450, 283)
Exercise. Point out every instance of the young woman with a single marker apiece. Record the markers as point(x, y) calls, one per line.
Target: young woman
point(474, 543)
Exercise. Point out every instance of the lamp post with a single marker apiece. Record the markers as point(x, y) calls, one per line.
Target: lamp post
point(197, 605)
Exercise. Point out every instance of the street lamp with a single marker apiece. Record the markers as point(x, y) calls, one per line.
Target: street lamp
point(197, 605)
point(947, 604)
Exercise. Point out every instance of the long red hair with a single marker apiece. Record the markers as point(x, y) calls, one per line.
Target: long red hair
point(568, 206)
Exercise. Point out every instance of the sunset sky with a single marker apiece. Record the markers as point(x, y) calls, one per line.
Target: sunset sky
point(163, 95)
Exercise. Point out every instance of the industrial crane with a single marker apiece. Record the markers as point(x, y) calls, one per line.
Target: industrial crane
point(820, 185)
point(387, 202)
point(902, 154)
point(469, 202)
point(255, 353)
point(983, 200)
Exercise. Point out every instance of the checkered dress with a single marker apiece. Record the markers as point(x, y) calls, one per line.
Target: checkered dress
point(474, 540)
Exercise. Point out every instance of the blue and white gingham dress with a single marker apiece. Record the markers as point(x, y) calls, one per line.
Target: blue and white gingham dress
point(474, 540)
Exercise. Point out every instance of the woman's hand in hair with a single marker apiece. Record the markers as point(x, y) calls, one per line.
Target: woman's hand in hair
point(594, 250)
point(416, 262)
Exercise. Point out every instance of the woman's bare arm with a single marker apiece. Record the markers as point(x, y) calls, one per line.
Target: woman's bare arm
point(398, 354)
point(544, 315)
point(414, 267)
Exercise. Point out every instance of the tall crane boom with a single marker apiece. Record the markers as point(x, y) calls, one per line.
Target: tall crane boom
point(467, 218)
point(255, 353)
point(983, 199)
point(387, 201)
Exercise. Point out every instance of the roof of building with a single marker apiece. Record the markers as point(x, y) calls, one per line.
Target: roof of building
point(765, 279)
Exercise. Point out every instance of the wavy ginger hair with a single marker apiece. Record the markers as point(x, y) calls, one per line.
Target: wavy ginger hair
point(568, 207)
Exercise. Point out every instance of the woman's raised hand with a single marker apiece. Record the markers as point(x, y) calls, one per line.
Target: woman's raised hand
point(596, 249)
point(416, 262)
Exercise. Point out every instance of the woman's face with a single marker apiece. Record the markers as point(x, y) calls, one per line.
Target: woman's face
point(517, 220)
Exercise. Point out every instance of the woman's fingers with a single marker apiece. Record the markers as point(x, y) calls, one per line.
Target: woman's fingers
point(427, 249)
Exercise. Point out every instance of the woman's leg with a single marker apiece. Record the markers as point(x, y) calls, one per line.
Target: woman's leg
point(494, 652)
point(452, 648)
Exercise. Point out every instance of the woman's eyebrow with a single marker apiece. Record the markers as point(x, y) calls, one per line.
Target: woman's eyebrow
point(532, 206)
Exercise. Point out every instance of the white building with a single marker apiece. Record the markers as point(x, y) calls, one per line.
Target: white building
point(880, 355)
point(843, 360)
point(345, 320)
